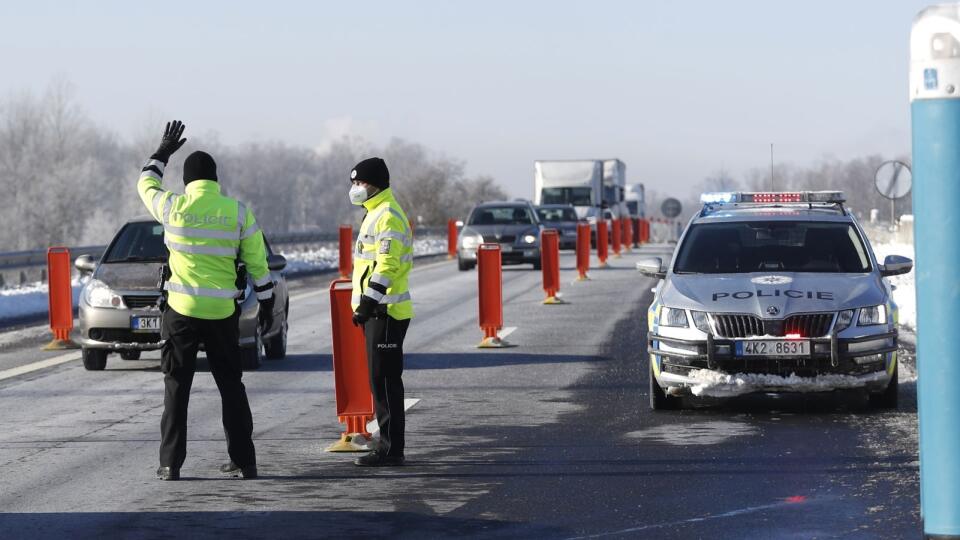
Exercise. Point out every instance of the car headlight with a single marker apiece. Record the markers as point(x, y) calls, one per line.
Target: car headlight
point(529, 238)
point(471, 241)
point(700, 321)
point(844, 318)
point(98, 295)
point(873, 315)
point(673, 317)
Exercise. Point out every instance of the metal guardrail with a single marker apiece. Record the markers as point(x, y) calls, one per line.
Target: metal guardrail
point(38, 257)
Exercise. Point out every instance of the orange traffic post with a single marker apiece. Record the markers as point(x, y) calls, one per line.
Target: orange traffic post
point(550, 264)
point(351, 376)
point(615, 233)
point(60, 297)
point(645, 236)
point(627, 223)
point(602, 240)
point(583, 251)
point(451, 239)
point(490, 281)
point(346, 251)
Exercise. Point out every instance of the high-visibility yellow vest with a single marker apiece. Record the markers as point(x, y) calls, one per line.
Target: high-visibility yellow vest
point(206, 240)
point(384, 255)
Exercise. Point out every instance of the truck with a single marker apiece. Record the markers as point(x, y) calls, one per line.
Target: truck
point(636, 203)
point(614, 186)
point(575, 182)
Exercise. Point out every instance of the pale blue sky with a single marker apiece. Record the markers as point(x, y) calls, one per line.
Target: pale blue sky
point(676, 90)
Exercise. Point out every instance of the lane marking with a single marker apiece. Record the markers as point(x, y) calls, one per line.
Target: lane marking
point(507, 330)
point(408, 404)
point(35, 366)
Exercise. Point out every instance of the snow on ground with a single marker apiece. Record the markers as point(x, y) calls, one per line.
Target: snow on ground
point(31, 299)
point(715, 384)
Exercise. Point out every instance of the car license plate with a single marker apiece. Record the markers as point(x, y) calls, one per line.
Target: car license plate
point(145, 324)
point(779, 347)
point(505, 248)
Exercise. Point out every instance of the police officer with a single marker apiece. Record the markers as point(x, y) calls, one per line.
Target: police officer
point(383, 259)
point(206, 234)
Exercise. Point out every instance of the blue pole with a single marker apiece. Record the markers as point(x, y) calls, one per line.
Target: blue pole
point(935, 111)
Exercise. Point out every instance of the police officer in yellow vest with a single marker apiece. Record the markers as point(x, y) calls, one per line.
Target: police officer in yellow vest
point(207, 234)
point(383, 259)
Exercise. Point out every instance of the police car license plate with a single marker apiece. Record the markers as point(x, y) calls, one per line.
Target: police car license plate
point(771, 347)
point(504, 248)
point(145, 324)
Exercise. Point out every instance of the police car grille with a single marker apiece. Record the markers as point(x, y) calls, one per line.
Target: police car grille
point(809, 324)
point(140, 301)
point(738, 326)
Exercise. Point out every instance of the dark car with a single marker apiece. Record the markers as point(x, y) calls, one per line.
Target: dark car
point(118, 306)
point(513, 225)
point(563, 218)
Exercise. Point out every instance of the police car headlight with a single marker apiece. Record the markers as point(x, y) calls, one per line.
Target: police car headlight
point(529, 238)
point(873, 315)
point(844, 318)
point(673, 317)
point(98, 295)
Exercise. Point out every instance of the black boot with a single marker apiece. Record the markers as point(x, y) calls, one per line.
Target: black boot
point(168, 473)
point(376, 459)
point(232, 469)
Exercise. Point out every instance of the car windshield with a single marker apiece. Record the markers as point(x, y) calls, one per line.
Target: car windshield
point(501, 215)
point(138, 242)
point(785, 246)
point(554, 215)
point(577, 196)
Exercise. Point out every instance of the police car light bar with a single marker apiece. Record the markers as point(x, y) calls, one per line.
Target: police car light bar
point(830, 197)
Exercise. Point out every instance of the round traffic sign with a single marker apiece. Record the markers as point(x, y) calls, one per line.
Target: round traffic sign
point(893, 179)
point(671, 208)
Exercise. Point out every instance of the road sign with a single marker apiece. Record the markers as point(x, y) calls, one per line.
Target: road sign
point(671, 208)
point(893, 179)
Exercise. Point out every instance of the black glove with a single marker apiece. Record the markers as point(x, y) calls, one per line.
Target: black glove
point(171, 141)
point(364, 311)
point(266, 313)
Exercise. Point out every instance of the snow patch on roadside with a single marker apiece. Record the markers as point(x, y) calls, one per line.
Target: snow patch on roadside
point(711, 383)
point(29, 299)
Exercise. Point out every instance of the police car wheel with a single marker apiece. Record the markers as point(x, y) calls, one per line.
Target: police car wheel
point(659, 400)
point(94, 359)
point(889, 398)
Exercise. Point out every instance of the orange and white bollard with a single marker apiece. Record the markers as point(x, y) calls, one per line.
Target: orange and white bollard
point(615, 224)
point(490, 282)
point(346, 251)
point(351, 376)
point(550, 264)
point(602, 242)
point(60, 299)
point(583, 251)
point(451, 239)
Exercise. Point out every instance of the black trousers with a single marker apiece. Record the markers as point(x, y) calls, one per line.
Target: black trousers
point(384, 339)
point(183, 336)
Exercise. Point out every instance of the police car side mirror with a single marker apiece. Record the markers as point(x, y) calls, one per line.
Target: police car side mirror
point(894, 265)
point(651, 266)
point(276, 263)
point(85, 264)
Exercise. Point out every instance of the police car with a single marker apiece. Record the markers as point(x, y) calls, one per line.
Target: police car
point(772, 292)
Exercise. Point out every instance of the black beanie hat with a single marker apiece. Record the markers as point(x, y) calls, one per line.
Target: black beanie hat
point(199, 166)
point(372, 171)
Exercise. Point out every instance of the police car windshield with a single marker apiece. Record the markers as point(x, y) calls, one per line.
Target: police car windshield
point(786, 246)
point(554, 215)
point(138, 242)
point(501, 215)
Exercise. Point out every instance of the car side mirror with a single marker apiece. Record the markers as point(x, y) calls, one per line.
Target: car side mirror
point(651, 266)
point(86, 264)
point(276, 263)
point(894, 265)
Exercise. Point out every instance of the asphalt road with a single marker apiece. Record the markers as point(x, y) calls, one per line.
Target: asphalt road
point(549, 439)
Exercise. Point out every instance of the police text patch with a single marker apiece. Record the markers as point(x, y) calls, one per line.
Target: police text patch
point(385, 246)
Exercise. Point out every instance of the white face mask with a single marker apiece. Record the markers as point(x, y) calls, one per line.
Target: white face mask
point(358, 194)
